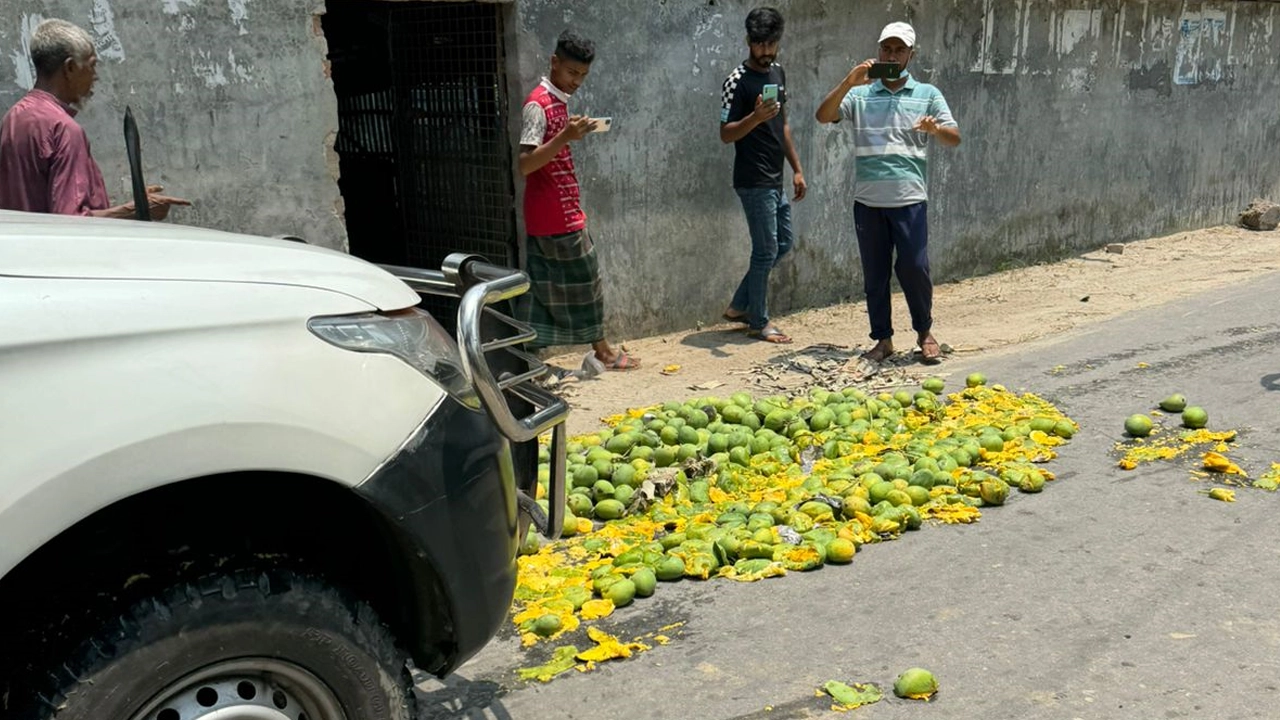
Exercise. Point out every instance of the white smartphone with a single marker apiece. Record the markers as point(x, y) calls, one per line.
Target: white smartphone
point(603, 124)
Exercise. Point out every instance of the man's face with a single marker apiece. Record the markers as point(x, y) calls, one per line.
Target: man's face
point(763, 54)
point(895, 51)
point(81, 76)
point(568, 75)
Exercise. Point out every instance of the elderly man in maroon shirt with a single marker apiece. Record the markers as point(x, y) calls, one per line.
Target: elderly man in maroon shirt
point(45, 164)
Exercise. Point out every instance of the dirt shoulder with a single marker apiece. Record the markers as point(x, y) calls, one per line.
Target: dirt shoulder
point(976, 317)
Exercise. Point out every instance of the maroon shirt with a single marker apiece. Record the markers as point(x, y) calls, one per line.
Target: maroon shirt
point(45, 164)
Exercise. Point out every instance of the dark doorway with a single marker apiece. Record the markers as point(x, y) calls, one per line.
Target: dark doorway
point(422, 130)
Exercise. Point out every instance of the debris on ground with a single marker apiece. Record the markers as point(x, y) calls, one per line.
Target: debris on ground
point(1260, 215)
point(832, 367)
point(849, 697)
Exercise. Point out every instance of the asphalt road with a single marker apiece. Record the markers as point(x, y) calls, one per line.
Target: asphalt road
point(1113, 594)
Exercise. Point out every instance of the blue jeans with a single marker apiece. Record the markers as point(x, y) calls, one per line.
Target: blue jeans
point(881, 232)
point(769, 222)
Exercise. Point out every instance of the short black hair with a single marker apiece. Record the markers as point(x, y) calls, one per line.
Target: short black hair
point(764, 24)
point(572, 46)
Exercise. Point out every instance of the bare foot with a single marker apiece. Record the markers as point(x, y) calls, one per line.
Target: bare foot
point(881, 352)
point(770, 334)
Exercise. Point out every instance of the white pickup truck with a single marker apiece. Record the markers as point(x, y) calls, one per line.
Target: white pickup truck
point(244, 477)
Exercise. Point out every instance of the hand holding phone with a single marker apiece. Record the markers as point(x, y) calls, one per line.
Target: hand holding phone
point(602, 124)
point(884, 71)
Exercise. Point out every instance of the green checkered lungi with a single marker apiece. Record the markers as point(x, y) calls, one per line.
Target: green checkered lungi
point(565, 302)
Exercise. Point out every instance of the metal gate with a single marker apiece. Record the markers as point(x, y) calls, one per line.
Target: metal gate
point(454, 153)
point(423, 130)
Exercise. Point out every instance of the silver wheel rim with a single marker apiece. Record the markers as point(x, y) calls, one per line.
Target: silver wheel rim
point(245, 689)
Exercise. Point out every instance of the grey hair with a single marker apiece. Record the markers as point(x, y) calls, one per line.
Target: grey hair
point(54, 41)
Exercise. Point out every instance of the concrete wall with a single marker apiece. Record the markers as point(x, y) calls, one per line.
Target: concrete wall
point(1084, 122)
point(231, 98)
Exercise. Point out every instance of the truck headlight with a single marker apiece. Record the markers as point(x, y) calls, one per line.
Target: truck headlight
point(411, 335)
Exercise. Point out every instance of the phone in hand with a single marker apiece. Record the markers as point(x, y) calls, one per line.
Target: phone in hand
point(603, 124)
point(770, 92)
point(884, 71)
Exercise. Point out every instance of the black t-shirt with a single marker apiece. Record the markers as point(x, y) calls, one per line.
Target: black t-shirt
point(759, 155)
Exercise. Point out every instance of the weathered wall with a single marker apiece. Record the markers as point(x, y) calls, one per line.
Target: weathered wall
point(231, 98)
point(1084, 122)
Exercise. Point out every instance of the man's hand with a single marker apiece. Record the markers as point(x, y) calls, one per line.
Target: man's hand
point(578, 127)
point(161, 204)
point(766, 110)
point(158, 204)
point(858, 75)
point(801, 187)
point(927, 125)
point(947, 135)
point(829, 109)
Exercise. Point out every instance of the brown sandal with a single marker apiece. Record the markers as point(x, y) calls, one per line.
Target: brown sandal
point(930, 351)
point(623, 361)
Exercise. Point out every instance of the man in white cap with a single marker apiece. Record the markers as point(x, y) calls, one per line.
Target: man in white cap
point(892, 120)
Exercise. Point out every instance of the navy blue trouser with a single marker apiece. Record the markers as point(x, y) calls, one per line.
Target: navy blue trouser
point(881, 232)
point(769, 222)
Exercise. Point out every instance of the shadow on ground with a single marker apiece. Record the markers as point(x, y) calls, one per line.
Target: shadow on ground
point(459, 697)
point(718, 337)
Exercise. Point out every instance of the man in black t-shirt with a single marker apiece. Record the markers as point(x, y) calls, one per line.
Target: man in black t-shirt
point(754, 118)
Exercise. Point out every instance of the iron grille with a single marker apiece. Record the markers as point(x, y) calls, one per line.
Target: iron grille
point(454, 153)
point(423, 133)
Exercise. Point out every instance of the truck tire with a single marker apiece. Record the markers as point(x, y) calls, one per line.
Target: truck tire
point(266, 643)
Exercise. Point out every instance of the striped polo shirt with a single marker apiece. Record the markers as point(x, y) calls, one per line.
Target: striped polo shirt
point(892, 163)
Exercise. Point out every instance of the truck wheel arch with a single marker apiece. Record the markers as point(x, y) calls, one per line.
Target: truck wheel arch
point(131, 548)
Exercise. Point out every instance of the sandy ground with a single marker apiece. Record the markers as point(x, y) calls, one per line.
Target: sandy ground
point(976, 317)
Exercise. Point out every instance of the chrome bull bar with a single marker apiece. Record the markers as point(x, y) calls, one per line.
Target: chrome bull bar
point(479, 285)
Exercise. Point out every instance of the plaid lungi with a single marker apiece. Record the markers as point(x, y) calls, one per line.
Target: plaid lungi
point(565, 302)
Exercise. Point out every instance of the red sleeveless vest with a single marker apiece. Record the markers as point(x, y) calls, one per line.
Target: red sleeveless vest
point(551, 198)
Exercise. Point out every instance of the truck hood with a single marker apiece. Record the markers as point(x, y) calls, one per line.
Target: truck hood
point(56, 246)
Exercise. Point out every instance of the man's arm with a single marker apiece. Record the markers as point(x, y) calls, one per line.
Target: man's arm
point(939, 123)
point(118, 212)
point(733, 104)
point(793, 157)
point(70, 170)
point(829, 110)
point(948, 135)
point(159, 204)
point(732, 132)
point(535, 154)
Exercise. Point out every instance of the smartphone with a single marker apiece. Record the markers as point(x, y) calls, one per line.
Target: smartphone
point(884, 71)
point(603, 124)
point(770, 92)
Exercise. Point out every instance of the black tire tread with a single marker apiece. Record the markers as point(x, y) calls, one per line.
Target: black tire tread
point(62, 685)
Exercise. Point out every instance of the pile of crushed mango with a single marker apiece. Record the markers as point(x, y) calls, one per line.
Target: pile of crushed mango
point(1212, 447)
point(745, 489)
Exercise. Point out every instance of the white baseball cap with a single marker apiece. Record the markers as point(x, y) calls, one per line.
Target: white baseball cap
point(902, 31)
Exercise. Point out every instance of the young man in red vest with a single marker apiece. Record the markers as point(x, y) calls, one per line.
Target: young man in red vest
point(565, 304)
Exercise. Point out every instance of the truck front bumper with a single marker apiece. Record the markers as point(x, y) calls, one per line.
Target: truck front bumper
point(449, 501)
point(460, 492)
